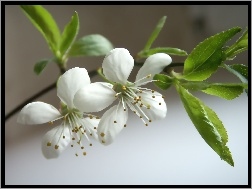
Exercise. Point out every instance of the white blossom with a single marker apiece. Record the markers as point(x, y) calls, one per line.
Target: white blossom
point(147, 104)
point(73, 125)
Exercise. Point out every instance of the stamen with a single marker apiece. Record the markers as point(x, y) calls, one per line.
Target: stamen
point(102, 134)
point(49, 143)
point(146, 77)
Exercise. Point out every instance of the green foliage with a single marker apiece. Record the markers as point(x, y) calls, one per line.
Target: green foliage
point(167, 50)
point(207, 56)
point(155, 33)
point(226, 91)
point(45, 23)
point(239, 70)
point(207, 123)
point(239, 46)
point(40, 66)
point(91, 45)
point(163, 81)
point(69, 35)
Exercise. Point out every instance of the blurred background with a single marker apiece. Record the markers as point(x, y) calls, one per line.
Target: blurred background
point(169, 151)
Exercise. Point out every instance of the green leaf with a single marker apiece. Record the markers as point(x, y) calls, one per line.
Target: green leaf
point(239, 46)
point(207, 123)
point(194, 85)
point(207, 56)
point(226, 91)
point(45, 23)
point(69, 34)
point(155, 33)
point(163, 81)
point(241, 71)
point(40, 66)
point(167, 50)
point(91, 45)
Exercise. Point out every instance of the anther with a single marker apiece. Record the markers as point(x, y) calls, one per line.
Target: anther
point(125, 125)
point(124, 109)
point(102, 134)
point(82, 147)
point(64, 137)
point(103, 141)
point(76, 154)
point(49, 143)
point(153, 96)
point(148, 76)
point(162, 96)
point(146, 124)
point(71, 145)
point(78, 142)
point(56, 147)
point(148, 107)
point(91, 134)
point(152, 91)
point(90, 144)
point(149, 120)
point(94, 127)
point(159, 103)
point(50, 122)
point(84, 153)
point(115, 122)
point(97, 117)
point(73, 138)
point(140, 116)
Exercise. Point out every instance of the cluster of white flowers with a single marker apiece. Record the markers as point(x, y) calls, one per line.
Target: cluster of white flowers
point(79, 97)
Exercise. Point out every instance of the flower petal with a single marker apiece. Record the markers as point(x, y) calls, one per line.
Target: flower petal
point(37, 113)
point(111, 124)
point(70, 82)
point(117, 65)
point(154, 64)
point(94, 97)
point(91, 125)
point(157, 105)
point(53, 143)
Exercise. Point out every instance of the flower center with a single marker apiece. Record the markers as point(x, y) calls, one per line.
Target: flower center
point(73, 128)
point(138, 99)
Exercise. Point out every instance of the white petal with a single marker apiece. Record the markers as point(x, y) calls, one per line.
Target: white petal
point(37, 113)
point(70, 82)
point(154, 64)
point(55, 137)
point(157, 105)
point(94, 97)
point(91, 125)
point(117, 65)
point(111, 124)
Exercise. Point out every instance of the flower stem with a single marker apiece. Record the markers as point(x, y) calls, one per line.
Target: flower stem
point(40, 93)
